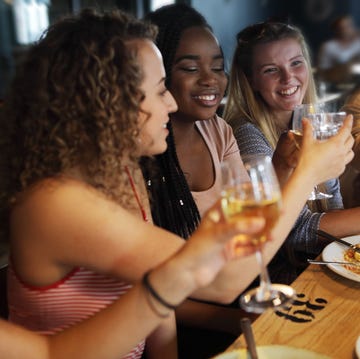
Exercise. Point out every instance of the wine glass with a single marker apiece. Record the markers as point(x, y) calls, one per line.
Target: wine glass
point(315, 112)
point(259, 195)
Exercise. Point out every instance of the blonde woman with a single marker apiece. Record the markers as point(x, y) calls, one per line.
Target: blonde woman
point(269, 76)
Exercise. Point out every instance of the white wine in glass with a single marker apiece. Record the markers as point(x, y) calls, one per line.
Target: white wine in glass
point(260, 195)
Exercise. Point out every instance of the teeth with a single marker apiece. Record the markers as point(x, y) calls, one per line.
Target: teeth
point(289, 92)
point(164, 125)
point(206, 97)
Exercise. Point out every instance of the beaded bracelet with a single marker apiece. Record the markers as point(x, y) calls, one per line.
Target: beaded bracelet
point(155, 295)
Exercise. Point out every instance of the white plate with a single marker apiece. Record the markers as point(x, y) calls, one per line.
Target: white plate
point(357, 347)
point(335, 252)
point(273, 352)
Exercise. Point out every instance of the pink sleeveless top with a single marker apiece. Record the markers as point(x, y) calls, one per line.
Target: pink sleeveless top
point(81, 294)
point(53, 308)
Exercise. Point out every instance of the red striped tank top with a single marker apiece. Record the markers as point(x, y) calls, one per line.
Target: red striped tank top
point(79, 295)
point(53, 308)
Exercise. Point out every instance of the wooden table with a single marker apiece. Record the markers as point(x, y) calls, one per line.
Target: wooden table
point(325, 317)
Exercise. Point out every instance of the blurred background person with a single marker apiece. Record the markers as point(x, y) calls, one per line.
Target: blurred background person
point(337, 55)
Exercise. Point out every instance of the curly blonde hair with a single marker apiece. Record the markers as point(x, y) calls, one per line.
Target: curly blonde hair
point(75, 103)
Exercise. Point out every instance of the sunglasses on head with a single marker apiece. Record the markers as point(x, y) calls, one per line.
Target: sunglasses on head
point(263, 29)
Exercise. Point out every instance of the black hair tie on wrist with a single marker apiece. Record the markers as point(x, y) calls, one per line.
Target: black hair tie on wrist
point(153, 292)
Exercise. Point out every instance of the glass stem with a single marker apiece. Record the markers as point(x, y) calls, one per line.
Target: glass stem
point(264, 292)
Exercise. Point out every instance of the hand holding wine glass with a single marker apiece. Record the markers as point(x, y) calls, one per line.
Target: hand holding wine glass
point(260, 195)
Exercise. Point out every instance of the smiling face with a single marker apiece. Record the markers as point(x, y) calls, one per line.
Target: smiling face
point(280, 74)
point(198, 80)
point(158, 102)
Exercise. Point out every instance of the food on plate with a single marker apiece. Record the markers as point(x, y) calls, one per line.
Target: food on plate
point(350, 255)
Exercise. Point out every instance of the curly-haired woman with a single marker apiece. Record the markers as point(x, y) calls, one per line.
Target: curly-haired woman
point(88, 101)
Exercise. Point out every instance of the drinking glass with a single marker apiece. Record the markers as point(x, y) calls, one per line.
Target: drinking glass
point(328, 125)
point(259, 195)
point(325, 125)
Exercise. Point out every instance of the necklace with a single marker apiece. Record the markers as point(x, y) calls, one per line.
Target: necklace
point(132, 183)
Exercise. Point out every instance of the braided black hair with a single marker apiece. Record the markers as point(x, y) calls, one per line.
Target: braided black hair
point(172, 20)
point(172, 204)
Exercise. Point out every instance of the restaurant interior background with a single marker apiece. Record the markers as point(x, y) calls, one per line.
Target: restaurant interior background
point(22, 21)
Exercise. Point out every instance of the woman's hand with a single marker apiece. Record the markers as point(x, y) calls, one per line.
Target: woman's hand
point(286, 152)
point(356, 160)
point(213, 245)
point(285, 157)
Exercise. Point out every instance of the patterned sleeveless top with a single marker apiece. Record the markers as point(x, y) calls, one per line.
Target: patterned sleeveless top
point(51, 309)
point(81, 294)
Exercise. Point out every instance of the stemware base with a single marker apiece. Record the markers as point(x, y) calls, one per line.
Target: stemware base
point(280, 295)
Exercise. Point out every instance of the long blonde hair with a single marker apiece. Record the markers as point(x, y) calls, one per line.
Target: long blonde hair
point(243, 103)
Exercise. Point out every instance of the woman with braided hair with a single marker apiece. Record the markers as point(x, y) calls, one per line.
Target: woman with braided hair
point(188, 178)
point(194, 127)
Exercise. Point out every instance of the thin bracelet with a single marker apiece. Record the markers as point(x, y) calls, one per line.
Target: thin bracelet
point(150, 300)
point(153, 292)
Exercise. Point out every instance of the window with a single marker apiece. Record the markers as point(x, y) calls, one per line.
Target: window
point(31, 18)
point(154, 4)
